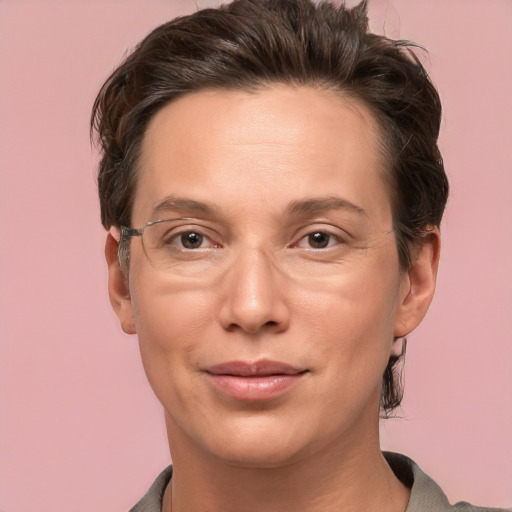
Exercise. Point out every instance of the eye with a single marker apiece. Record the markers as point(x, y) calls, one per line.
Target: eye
point(318, 240)
point(176, 237)
point(192, 240)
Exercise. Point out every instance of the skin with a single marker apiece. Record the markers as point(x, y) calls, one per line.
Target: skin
point(258, 289)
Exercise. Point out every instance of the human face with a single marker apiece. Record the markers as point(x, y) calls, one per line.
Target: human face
point(295, 276)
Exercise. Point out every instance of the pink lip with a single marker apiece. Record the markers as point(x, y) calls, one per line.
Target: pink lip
point(257, 381)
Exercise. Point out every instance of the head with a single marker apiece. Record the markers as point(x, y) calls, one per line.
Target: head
point(263, 48)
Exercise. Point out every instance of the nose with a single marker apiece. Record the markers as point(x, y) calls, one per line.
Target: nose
point(254, 296)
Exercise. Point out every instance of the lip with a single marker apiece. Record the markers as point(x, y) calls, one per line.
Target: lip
point(254, 381)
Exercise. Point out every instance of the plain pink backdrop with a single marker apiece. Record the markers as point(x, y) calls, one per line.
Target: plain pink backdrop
point(80, 428)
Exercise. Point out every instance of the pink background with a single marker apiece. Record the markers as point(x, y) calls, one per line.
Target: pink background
point(80, 428)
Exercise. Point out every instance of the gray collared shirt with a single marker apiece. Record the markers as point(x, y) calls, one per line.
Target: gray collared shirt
point(426, 495)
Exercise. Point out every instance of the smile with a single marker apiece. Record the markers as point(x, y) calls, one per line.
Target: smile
point(259, 381)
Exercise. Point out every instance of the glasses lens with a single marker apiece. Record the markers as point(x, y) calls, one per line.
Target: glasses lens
point(178, 247)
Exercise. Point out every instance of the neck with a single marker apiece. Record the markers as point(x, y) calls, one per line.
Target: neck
point(337, 478)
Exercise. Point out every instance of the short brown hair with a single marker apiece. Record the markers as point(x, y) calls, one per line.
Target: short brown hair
point(250, 44)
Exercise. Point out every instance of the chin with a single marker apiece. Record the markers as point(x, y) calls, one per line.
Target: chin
point(260, 456)
point(260, 444)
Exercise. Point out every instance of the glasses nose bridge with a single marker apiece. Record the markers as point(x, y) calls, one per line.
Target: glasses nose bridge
point(254, 257)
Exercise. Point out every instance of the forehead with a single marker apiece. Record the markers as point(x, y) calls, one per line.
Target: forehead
point(265, 148)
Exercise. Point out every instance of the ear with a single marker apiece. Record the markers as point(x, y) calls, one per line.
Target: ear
point(418, 284)
point(118, 289)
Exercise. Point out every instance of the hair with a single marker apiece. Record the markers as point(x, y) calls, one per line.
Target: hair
point(252, 44)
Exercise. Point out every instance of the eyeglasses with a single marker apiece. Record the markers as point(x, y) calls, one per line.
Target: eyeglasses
point(182, 246)
point(170, 243)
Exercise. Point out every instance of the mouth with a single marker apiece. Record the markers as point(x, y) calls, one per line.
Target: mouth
point(254, 381)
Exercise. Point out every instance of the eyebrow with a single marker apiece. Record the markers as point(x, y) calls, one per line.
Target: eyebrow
point(297, 207)
point(323, 204)
point(182, 204)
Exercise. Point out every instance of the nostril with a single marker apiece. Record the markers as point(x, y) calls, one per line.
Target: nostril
point(232, 327)
point(252, 328)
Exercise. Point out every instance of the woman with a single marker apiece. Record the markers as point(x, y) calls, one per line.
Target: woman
point(279, 164)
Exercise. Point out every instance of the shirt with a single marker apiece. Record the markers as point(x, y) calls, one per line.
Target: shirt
point(426, 495)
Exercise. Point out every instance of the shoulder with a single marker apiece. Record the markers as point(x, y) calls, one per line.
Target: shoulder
point(426, 495)
point(152, 500)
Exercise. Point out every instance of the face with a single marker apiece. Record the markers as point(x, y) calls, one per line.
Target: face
point(268, 314)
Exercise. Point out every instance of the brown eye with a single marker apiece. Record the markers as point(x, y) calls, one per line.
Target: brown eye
point(319, 240)
point(191, 240)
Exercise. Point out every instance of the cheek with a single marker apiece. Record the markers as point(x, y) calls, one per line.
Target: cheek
point(350, 317)
point(169, 315)
point(355, 300)
point(171, 321)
